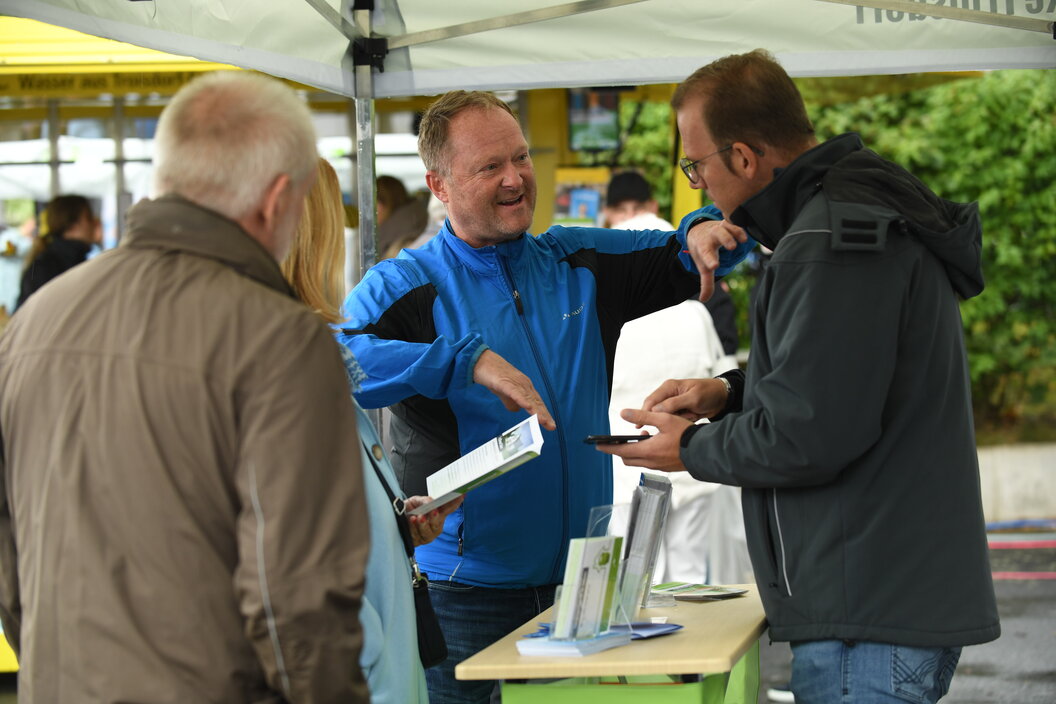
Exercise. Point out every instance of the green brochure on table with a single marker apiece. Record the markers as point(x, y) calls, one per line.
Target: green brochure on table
point(685, 591)
point(587, 592)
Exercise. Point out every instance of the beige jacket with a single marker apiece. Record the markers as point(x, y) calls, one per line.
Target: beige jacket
point(182, 494)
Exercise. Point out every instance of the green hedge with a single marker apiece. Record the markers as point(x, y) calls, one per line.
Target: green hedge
point(990, 139)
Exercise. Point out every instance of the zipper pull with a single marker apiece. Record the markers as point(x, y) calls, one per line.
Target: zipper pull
point(517, 302)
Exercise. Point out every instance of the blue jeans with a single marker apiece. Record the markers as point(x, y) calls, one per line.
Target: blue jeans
point(862, 672)
point(473, 618)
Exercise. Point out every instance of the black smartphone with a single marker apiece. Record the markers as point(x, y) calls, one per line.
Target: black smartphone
point(613, 439)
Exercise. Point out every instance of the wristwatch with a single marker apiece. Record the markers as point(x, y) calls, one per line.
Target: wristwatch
point(729, 389)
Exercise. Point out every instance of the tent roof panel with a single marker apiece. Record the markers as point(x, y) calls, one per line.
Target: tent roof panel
point(655, 41)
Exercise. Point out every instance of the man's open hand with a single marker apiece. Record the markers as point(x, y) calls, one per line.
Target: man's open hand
point(512, 386)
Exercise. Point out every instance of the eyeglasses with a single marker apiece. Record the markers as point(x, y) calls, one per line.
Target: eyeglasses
point(689, 168)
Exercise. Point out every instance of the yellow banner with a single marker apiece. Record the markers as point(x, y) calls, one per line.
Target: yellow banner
point(90, 85)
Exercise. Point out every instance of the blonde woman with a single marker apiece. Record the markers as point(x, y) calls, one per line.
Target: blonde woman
point(390, 650)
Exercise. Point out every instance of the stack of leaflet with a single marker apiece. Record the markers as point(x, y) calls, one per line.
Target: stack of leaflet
point(684, 591)
point(645, 529)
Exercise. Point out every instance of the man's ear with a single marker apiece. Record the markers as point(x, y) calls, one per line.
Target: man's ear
point(275, 200)
point(438, 185)
point(745, 160)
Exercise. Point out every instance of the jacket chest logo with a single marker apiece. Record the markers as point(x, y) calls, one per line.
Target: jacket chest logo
point(577, 311)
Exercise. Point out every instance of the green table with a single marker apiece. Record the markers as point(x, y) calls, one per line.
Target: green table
point(713, 659)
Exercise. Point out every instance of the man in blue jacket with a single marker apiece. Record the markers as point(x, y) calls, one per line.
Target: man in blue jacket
point(484, 324)
point(852, 433)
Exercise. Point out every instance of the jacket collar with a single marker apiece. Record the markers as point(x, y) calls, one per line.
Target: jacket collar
point(482, 260)
point(69, 252)
point(176, 224)
point(769, 213)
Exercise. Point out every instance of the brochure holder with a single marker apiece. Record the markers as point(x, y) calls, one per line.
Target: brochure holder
point(644, 532)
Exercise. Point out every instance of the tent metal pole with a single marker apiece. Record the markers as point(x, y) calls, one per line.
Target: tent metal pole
point(504, 21)
point(117, 127)
point(333, 17)
point(364, 102)
point(365, 189)
point(53, 146)
point(365, 177)
point(955, 13)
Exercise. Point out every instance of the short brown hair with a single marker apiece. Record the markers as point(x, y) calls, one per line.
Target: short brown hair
point(750, 99)
point(432, 134)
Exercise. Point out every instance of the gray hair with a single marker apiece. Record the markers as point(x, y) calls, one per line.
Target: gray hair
point(226, 137)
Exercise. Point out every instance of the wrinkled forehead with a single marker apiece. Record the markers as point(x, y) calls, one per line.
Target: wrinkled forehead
point(483, 133)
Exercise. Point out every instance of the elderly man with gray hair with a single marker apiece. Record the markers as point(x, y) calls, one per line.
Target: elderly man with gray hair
point(182, 514)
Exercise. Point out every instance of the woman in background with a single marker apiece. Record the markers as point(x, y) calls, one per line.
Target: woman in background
point(389, 659)
point(70, 229)
point(401, 216)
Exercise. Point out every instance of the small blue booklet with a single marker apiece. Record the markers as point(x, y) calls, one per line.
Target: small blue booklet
point(531, 645)
point(540, 643)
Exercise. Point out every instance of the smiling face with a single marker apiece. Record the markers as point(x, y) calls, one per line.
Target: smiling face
point(726, 184)
point(489, 184)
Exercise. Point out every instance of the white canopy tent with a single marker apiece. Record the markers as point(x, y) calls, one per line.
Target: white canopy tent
point(607, 42)
point(423, 47)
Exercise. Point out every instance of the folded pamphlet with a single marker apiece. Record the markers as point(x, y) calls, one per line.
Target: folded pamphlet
point(494, 458)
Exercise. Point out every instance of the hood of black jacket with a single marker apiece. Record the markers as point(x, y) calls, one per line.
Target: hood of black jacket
point(850, 173)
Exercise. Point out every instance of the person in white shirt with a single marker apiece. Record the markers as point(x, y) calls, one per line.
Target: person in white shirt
point(704, 540)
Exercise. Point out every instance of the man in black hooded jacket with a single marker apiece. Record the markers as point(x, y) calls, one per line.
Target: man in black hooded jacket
point(852, 432)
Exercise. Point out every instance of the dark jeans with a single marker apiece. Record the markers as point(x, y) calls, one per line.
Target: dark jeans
point(473, 618)
point(848, 672)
